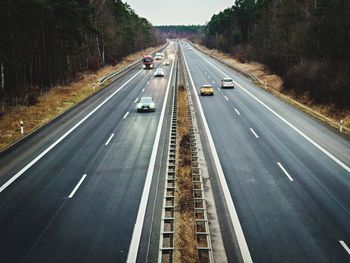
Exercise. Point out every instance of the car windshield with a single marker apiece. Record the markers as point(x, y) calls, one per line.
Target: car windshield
point(146, 100)
point(228, 80)
point(147, 60)
point(207, 86)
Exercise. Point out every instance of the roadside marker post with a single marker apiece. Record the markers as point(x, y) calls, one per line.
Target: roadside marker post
point(341, 125)
point(22, 129)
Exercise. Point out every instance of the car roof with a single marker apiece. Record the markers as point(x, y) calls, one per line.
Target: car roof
point(227, 78)
point(146, 99)
point(207, 86)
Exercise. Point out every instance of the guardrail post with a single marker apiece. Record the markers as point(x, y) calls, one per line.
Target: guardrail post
point(341, 125)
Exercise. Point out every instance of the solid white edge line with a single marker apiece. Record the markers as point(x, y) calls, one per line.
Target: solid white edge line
point(126, 115)
point(226, 98)
point(237, 112)
point(109, 140)
point(285, 172)
point(251, 129)
point(77, 186)
point(41, 155)
point(347, 249)
point(335, 159)
point(136, 235)
point(242, 243)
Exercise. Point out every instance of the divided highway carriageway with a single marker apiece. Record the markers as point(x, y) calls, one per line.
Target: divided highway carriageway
point(88, 186)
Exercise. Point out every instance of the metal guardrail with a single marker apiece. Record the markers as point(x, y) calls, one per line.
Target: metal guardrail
point(166, 241)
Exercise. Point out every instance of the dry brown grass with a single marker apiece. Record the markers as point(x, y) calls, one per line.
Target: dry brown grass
point(55, 102)
point(185, 233)
point(274, 84)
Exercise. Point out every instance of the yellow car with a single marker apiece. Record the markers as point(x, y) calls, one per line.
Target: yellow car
point(206, 90)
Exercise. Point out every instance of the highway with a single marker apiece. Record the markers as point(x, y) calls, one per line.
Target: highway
point(71, 191)
point(87, 187)
point(288, 175)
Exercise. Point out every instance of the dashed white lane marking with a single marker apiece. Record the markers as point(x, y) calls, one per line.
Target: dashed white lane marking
point(41, 155)
point(143, 90)
point(226, 97)
point(213, 82)
point(209, 77)
point(237, 112)
point(251, 129)
point(136, 100)
point(148, 83)
point(285, 172)
point(347, 249)
point(77, 186)
point(109, 140)
point(331, 156)
point(126, 115)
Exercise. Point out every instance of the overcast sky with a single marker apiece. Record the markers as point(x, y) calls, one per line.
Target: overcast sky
point(178, 12)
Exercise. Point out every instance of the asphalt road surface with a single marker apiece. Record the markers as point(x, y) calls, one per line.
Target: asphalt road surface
point(80, 200)
point(288, 175)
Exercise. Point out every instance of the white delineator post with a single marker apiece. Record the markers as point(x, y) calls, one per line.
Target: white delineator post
point(22, 129)
point(341, 125)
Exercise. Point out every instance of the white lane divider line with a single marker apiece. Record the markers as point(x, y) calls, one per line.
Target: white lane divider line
point(213, 82)
point(143, 90)
point(242, 243)
point(219, 88)
point(148, 83)
point(209, 77)
point(285, 172)
point(136, 235)
point(126, 115)
point(226, 98)
point(237, 112)
point(109, 140)
point(41, 155)
point(347, 249)
point(136, 100)
point(77, 186)
point(256, 136)
point(335, 159)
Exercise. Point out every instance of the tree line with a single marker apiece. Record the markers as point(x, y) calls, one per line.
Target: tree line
point(49, 42)
point(307, 42)
point(192, 32)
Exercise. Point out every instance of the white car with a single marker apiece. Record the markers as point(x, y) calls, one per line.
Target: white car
point(159, 72)
point(145, 104)
point(166, 63)
point(227, 83)
point(158, 56)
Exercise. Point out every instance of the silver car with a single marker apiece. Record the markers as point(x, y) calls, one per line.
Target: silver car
point(227, 83)
point(145, 104)
point(159, 72)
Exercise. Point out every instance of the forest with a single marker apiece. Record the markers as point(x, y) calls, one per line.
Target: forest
point(306, 42)
point(49, 42)
point(192, 32)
